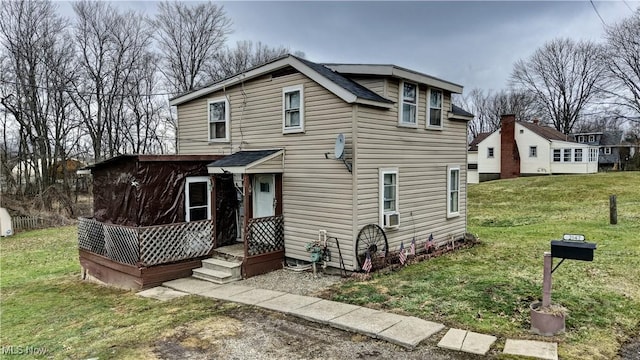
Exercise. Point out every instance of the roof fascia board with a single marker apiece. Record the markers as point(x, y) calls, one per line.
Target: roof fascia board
point(405, 74)
point(460, 117)
point(374, 103)
point(244, 169)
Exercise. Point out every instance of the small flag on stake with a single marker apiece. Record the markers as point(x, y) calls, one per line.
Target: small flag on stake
point(412, 249)
point(429, 244)
point(367, 263)
point(402, 256)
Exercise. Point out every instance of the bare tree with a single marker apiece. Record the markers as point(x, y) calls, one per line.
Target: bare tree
point(244, 56)
point(189, 38)
point(564, 76)
point(622, 59)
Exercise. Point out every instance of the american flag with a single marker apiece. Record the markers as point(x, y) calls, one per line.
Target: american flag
point(402, 256)
point(367, 263)
point(412, 249)
point(429, 244)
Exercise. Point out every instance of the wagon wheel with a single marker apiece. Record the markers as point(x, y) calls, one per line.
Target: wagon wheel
point(371, 238)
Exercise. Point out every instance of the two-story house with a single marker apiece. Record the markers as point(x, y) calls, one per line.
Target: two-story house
point(525, 149)
point(341, 159)
point(613, 153)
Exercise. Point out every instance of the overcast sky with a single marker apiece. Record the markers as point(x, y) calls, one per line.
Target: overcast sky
point(473, 44)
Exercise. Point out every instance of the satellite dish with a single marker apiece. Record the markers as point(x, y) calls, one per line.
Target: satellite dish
point(339, 149)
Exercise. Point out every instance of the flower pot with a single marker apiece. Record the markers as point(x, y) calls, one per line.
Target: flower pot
point(547, 321)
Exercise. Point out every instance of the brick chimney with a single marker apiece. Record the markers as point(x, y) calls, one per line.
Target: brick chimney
point(536, 121)
point(509, 155)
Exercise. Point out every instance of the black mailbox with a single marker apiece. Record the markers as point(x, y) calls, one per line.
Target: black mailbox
point(576, 250)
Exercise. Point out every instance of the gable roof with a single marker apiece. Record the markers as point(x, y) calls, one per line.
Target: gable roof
point(346, 89)
point(473, 145)
point(395, 71)
point(546, 132)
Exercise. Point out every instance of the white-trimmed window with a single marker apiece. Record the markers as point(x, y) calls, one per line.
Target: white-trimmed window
point(490, 152)
point(580, 138)
point(566, 155)
point(434, 109)
point(592, 138)
point(533, 151)
point(593, 155)
point(408, 113)
point(293, 109)
point(557, 157)
point(577, 155)
point(388, 194)
point(197, 198)
point(453, 191)
point(607, 151)
point(218, 120)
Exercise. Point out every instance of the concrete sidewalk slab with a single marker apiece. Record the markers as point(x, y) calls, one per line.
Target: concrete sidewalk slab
point(410, 332)
point(453, 339)
point(288, 302)
point(190, 285)
point(323, 310)
point(225, 292)
point(161, 293)
point(255, 296)
point(534, 349)
point(475, 343)
point(366, 321)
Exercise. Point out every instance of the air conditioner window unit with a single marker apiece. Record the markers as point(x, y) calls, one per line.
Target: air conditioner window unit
point(392, 220)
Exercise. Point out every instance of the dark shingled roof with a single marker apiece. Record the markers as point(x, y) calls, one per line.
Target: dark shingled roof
point(473, 146)
point(345, 83)
point(546, 132)
point(611, 138)
point(242, 158)
point(457, 110)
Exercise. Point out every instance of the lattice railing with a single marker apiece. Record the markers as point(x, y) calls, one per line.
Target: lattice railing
point(148, 245)
point(265, 235)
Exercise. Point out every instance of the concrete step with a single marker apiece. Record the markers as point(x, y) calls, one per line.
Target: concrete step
point(215, 276)
point(232, 267)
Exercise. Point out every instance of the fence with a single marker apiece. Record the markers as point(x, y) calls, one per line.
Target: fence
point(265, 235)
point(27, 222)
point(146, 245)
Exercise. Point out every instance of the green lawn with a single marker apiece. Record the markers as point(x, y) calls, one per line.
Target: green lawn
point(45, 307)
point(489, 287)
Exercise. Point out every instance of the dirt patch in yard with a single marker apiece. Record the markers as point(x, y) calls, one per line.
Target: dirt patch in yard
point(631, 350)
point(250, 333)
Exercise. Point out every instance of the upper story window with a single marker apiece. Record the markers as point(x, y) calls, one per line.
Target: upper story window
point(592, 138)
point(409, 103)
point(293, 109)
point(434, 112)
point(577, 155)
point(219, 120)
point(607, 151)
point(490, 152)
point(453, 190)
point(580, 138)
point(533, 151)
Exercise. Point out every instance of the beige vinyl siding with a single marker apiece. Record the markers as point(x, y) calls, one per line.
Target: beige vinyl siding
point(270, 166)
point(421, 157)
point(377, 84)
point(317, 192)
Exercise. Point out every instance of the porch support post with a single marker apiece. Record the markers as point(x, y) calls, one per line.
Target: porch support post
point(278, 185)
point(214, 215)
point(248, 210)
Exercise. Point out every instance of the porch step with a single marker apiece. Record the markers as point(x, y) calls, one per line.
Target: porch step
point(215, 276)
point(231, 267)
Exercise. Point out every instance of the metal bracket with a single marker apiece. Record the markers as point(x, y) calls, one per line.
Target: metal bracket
point(554, 269)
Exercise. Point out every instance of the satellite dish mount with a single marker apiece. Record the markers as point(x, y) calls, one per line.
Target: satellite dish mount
point(338, 151)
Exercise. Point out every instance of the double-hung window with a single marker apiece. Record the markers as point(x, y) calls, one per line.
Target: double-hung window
point(577, 155)
point(566, 155)
point(607, 151)
point(388, 195)
point(219, 120)
point(556, 155)
point(453, 191)
point(409, 104)
point(434, 112)
point(533, 151)
point(490, 152)
point(293, 109)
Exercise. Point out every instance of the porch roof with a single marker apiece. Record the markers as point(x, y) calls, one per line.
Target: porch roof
point(249, 162)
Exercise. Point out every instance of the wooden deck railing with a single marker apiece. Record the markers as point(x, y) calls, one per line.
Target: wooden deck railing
point(146, 245)
point(265, 235)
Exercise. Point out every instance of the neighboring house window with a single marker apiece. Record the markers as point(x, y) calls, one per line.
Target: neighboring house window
point(607, 151)
point(580, 138)
point(556, 155)
point(197, 198)
point(490, 152)
point(577, 155)
point(293, 109)
point(453, 191)
point(593, 155)
point(388, 193)
point(472, 166)
point(219, 120)
point(592, 138)
point(409, 103)
point(435, 109)
point(566, 155)
point(533, 151)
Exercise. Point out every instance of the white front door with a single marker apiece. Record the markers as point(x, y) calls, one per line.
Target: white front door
point(264, 195)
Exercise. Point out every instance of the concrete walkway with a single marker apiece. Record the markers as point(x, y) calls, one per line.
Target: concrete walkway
point(405, 331)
